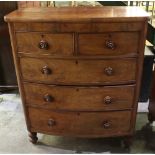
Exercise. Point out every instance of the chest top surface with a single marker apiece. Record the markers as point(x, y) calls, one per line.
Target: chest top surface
point(77, 14)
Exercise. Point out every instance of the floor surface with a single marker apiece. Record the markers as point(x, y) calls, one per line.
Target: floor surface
point(14, 138)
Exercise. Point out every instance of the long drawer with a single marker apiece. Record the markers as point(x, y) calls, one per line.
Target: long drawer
point(109, 44)
point(79, 98)
point(45, 43)
point(70, 72)
point(92, 124)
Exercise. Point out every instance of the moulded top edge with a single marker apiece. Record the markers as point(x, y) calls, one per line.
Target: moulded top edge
point(75, 14)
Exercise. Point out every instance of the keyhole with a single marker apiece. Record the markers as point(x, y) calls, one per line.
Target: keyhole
point(76, 62)
point(78, 114)
point(109, 35)
point(77, 89)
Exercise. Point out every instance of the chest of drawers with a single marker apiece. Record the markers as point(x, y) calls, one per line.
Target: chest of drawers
point(79, 69)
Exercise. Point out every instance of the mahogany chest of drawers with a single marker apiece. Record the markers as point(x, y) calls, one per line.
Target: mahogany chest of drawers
point(79, 69)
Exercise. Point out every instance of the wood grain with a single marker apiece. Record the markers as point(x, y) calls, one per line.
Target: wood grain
point(18, 73)
point(80, 14)
point(84, 124)
point(80, 72)
point(58, 44)
point(75, 98)
point(126, 43)
point(139, 72)
point(78, 27)
point(78, 87)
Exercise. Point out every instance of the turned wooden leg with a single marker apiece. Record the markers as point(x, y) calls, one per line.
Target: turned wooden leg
point(150, 117)
point(127, 141)
point(33, 137)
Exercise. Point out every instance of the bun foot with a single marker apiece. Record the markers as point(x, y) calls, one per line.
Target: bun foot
point(33, 137)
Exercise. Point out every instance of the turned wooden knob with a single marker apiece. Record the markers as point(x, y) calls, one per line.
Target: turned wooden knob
point(108, 71)
point(43, 44)
point(51, 122)
point(107, 100)
point(106, 124)
point(110, 44)
point(46, 70)
point(48, 98)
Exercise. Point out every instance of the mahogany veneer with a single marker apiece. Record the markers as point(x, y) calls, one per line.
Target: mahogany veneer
point(79, 69)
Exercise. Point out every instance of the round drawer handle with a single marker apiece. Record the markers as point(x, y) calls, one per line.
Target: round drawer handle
point(48, 98)
point(43, 44)
point(110, 44)
point(107, 100)
point(46, 70)
point(108, 71)
point(51, 122)
point(106, 124)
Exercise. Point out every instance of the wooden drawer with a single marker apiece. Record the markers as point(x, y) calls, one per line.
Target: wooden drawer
point(92, 124)
point(109, 44)
point(45, 43)
point(79, 98)
point(69, 71)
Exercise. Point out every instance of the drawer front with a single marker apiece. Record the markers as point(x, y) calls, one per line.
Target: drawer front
point(52, 71)
point(45, 43)
point(80, 124)
point(109, 44)
point(79, 98)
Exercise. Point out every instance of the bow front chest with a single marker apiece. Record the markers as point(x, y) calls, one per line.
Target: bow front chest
point(79, 69)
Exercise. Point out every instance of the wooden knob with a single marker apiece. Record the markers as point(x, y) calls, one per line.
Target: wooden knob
point(107, 100)
point(46, 70)
point(43, 44)
point(106, 124)
point(110, 44)
point(48, 98)
point(108, 71)
point(51, 122)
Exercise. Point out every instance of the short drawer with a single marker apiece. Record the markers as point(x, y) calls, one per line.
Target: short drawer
point(45, 43)
point(92, 124)
point(75, 98)
point(109, 44)
point(67, 71)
